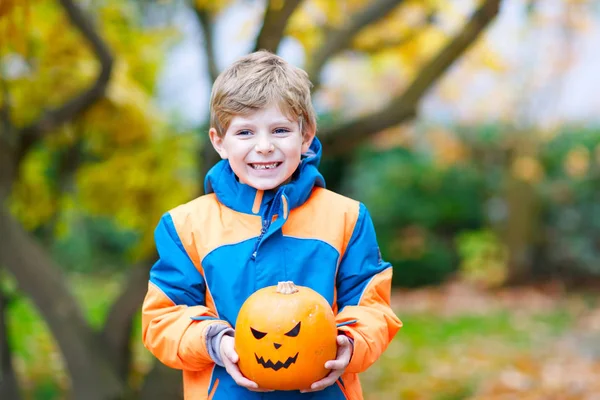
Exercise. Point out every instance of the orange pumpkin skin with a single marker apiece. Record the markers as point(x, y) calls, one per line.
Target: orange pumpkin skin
point(284, 339)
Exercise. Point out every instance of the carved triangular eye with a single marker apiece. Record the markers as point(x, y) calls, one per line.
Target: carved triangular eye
point(294, 332)
point(257, 334)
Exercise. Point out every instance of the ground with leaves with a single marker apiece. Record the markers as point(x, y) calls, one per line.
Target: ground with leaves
point(462, 343)
point(457, 342)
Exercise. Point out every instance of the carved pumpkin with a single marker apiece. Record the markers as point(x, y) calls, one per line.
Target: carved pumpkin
point(284, 334)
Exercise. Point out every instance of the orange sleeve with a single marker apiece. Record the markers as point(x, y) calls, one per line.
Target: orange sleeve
point(372, 324)
point(363, 296)
point(175, 313)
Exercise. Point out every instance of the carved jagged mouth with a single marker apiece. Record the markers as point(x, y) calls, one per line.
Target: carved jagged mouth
point(278, 365)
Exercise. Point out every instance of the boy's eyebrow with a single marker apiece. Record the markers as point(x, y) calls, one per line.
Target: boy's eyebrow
point(283, 122)
point(241, 124)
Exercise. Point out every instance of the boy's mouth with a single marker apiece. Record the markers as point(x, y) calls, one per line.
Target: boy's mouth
point(261, 166)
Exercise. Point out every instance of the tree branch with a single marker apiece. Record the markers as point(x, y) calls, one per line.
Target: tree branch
point(7, 131)
point(208, 157)
point(119, 323)
point(40, 278)
point(274, 23)
point(347, 135)
point(8, 169)
point(206, 24)
point(8, 141)
point(398, 41)
point(66, 112)
point(162, 383)
point(340, 39)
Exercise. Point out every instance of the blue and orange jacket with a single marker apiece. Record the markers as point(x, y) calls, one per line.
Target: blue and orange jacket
point(216, 250)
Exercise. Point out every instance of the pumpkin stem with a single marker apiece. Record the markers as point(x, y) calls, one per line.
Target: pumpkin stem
point(287, 287)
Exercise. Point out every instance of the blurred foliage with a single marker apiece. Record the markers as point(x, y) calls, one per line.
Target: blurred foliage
point(483, 257)
point(37, 359)
point(119, 165)
point(435, 211)
point(400, 37)
point(93, 244)
point(417, 206)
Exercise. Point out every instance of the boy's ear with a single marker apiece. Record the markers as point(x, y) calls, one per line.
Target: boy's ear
point(307, 140)
point(217, 142)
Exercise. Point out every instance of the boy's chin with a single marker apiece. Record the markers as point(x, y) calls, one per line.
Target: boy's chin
point(266, 184)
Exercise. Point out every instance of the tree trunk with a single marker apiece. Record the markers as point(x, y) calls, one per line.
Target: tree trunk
point(521, 228)
point(92, 376)
point(7, 170)
point(119, 322)
point(161, 383)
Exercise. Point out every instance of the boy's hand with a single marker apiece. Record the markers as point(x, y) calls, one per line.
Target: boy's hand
point(337, 366)
point(230, 359)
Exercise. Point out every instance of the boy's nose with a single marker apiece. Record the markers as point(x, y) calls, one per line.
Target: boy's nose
point(264, 146)
point(277, 345)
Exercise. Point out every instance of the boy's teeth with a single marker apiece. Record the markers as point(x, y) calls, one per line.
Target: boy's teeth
point(264, 166)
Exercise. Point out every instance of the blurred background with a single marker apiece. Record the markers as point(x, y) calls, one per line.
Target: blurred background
point(471, 130)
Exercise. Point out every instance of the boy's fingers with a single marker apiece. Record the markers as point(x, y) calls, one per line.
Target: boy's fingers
point(240, 379)
point(232, 355)
point(343, 340)
point(245, 382)
point(230, 352)
point(336, 364)
point(341, 362)
point(344, 344)
point(315, 387)
point(230, 359)
point(323, 383)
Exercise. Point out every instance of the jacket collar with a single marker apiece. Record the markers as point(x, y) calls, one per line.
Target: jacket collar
point(238, 196)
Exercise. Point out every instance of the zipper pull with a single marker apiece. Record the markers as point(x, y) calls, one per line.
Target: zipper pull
point(263, 230)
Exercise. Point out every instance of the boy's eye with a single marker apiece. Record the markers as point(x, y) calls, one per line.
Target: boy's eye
point(245, 132)
point(281, 131)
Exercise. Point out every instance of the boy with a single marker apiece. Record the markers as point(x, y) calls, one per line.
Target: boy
point(266, 218)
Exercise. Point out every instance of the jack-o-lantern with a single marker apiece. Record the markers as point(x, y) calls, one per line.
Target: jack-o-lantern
point(284, 334)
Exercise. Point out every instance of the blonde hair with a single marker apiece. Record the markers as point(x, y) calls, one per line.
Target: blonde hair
point(257, 81)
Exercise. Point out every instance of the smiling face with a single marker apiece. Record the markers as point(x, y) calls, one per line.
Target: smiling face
point(263, 147)
point(285, 348)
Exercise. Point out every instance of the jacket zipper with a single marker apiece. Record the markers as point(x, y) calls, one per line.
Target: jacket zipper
point(265, 227)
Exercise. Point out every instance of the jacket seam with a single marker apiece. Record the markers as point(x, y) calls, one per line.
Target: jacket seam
point(369, 283)
point(166, 295)
point(356, 225)
point(316, 240)
point(174, 234)
point(226, 245)
point(342, 256)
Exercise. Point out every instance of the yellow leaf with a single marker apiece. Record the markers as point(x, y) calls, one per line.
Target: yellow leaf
point(212, 5)
point(577, 162)
point(527, 169)
point(32, 199)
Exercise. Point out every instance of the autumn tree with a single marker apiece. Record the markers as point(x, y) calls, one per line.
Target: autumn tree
point(77, 87)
